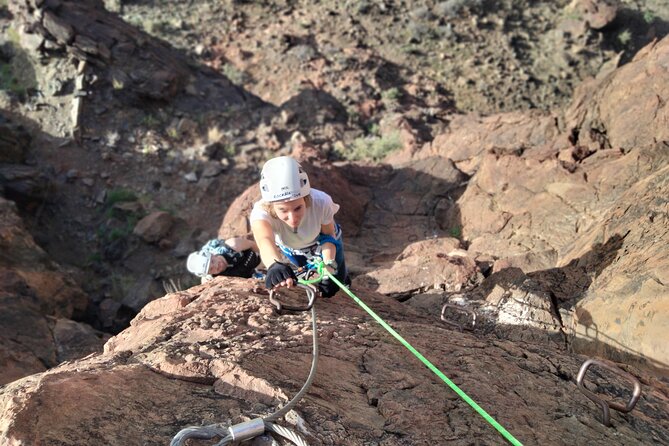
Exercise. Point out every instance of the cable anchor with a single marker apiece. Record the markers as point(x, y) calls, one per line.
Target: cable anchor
point(461, 309)
point(605, 405)
point(311, 297)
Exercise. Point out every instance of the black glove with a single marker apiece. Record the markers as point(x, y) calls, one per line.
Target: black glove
point(327, 287)
point(277, 273)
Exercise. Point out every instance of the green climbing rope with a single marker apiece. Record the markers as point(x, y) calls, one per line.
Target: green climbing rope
point(321, 270)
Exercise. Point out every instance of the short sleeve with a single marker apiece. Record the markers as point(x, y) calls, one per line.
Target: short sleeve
point(258, 213)
point(330, 208)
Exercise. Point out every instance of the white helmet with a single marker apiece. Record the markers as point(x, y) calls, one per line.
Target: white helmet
point(198, 263)
point(282, 179)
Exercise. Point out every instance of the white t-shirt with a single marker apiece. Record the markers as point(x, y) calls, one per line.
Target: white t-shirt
point(321, 212)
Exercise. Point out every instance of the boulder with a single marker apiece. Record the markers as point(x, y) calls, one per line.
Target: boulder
point(154, 227)
point(436, 264)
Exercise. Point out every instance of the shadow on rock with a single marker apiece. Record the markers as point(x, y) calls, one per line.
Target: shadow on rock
point(544, 307)
point(632, 30)
point(569, 283)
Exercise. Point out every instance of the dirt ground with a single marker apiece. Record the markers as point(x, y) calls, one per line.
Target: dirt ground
point(336, 71)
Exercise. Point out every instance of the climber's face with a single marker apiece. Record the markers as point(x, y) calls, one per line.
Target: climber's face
point(291, 212)
point(217, 265)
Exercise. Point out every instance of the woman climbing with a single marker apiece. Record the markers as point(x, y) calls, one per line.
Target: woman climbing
point(236, 256)
point(296, 221)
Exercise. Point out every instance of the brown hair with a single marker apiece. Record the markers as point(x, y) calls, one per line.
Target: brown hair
point(270, 209)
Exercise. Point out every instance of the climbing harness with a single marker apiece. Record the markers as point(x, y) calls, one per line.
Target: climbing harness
point(605, 405)
point(258, 426)
point(458, 309)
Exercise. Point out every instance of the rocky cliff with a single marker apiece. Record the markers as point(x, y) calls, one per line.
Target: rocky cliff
point(218, 353)
point(508, 245)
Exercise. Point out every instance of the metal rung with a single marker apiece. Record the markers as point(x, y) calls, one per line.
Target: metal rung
point(461, 309)
point(605, 405)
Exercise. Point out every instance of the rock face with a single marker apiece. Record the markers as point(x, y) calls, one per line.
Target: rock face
point(218, 353)
point(549, 227)
point(37, 297)
point(576, 201)
point(138, 65)
point(627, 303)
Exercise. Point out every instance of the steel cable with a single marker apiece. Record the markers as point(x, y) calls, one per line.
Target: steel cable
point(217, 430)
point(285, 433)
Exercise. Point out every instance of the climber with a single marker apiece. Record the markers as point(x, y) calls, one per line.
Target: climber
point(236, 256)
point(297, 221)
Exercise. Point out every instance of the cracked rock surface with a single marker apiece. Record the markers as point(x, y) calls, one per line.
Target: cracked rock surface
point(218, 353)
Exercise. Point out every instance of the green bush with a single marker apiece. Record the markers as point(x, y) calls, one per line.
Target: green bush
point(8, 81)
point(119, 195)
point(119, 233)
point(391, 94)
point(234, 74)
point(625, 37)
point(649, 16)
point(374, 148)
point(455, 232)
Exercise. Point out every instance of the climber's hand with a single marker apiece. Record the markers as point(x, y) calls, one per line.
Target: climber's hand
point(327, 287)
point(280, 274)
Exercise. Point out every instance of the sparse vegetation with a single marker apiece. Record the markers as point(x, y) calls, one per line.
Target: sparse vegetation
point(573, 14)
point(13, 36)
point(120, 195)
point(374, 148)
point(119, 221)
point(173, 133)
point(235, 75)
point(230, 150)
point(117, 84)
point(8, 81)
point(625, 37)
point(649, 16)
point(455, 232)
point(353, 115)
point(119, 233)
point(16, 70)
point(121, 285)
point(150, 121)
point(391, 94)
point(94, 258)
point(114, 232)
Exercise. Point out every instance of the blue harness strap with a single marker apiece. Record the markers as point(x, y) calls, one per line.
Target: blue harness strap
point(305, 256)
point(327, 238)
